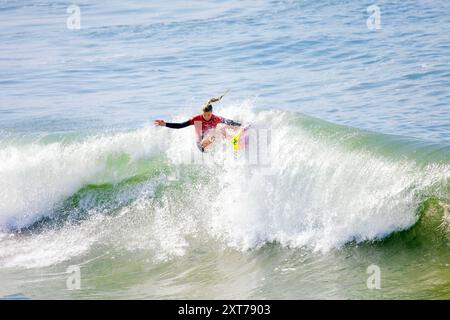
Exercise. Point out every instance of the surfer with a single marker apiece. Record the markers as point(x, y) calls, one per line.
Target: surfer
point(208, 126)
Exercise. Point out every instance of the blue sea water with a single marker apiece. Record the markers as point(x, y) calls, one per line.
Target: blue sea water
point(358, 105)
point(131, 62)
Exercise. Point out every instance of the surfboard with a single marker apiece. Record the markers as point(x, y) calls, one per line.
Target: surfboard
point(240, 139)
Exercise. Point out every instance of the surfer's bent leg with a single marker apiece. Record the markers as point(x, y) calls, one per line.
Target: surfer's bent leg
point(213, 134)
point(199, 146)
point(208, 139)
point(220, 130)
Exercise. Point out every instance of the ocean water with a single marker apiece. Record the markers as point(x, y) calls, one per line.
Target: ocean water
point(354, 110)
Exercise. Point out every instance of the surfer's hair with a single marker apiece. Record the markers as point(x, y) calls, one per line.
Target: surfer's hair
point(207, 108)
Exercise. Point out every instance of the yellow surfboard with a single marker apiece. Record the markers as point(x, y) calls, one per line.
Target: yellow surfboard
point(235, 140)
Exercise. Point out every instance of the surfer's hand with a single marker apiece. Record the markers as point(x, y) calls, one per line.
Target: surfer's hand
point(160, 123)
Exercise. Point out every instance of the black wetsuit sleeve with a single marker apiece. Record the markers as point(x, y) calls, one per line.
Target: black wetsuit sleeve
point(230, 122)
point(178, 125)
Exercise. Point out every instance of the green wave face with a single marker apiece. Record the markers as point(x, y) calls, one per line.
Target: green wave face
point(329, 191)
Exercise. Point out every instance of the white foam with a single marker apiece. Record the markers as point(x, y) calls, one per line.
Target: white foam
point(35, 176)
point(318, 194)
point(49, 247)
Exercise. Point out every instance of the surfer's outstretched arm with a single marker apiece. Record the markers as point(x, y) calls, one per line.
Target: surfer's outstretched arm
point(173, 125)
point(180, 125)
